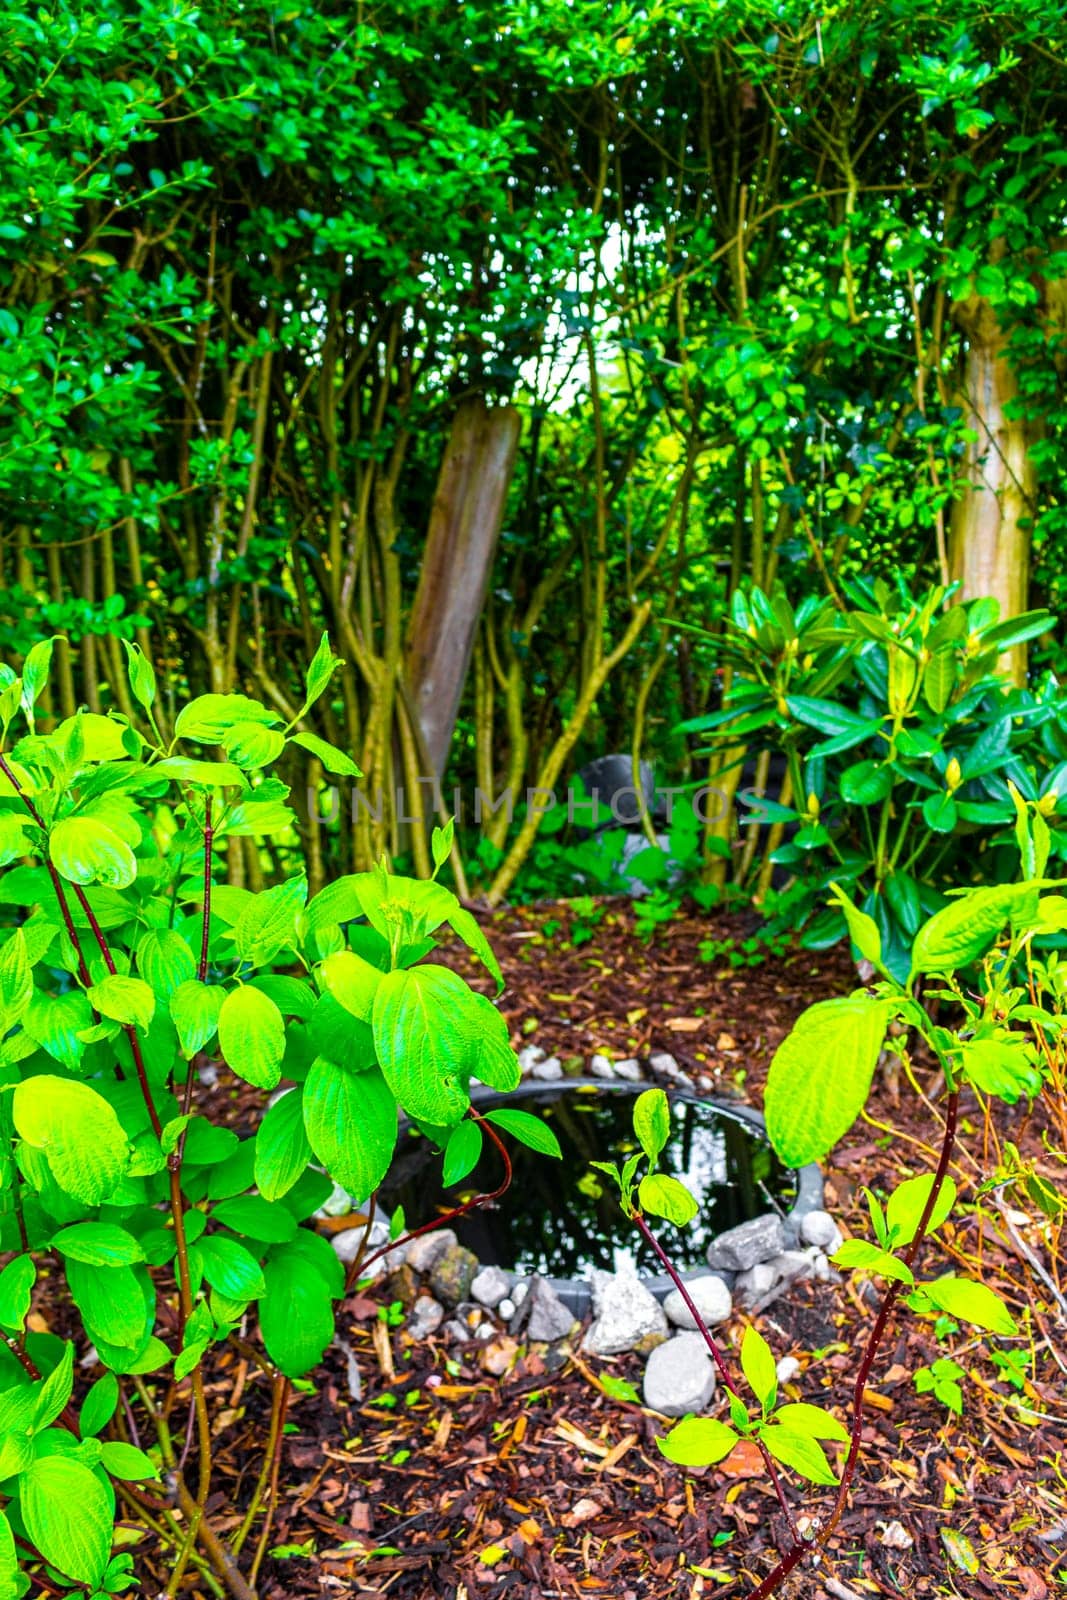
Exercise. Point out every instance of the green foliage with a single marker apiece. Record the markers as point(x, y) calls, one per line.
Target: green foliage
point(941, 1379)
point(907, 755)
point(123, 962)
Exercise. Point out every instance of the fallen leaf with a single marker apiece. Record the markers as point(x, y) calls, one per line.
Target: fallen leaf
point(685, 1024)
point(583, 1510)
point(744, 1461)
point(492, 1554)
point(960, 1551)
point(1035, 1587)
point(726, 1041)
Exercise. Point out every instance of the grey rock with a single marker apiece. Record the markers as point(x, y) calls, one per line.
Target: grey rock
point(790, 1232)
point(745, 1246)
point(490, 1286)
point(338, 1204)
point(665, 1064)
point(630, 1069)
point(506, 1309)
point(625, 1315)
point(426, 1317)
point(753, 1285)
point(426, 1251)
point(680, 1376)
point(819, 1228)
point(710, 1296)
point(457, 1331)
point(763, 1283)
point(529, 1056)
point(610, 781)
point(549, 1318)
point(453, 1273)
point(549, 1071)
point(601, 1067)
point(347, 1244)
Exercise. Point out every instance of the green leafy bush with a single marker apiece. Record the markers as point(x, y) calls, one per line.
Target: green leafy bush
point(125, 963)
point(990, 1034)
point(901, 742)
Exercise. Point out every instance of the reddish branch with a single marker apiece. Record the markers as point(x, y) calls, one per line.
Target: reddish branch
point(724, 1371)
point(360, 1264)
point(774, 1579)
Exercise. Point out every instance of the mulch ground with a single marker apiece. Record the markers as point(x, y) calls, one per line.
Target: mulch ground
point(475, 1472)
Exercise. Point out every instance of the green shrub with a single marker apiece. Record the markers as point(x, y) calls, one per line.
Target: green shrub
point(124, 964)
point(901, 743)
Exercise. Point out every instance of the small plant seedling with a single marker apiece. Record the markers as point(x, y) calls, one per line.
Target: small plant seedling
point(942, 1380)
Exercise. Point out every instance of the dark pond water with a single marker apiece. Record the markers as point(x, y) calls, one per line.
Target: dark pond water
point(560, 1218)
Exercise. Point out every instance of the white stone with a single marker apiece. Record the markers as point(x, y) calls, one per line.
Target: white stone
point(710, 1296)
point(426, 1251)
point(665, 1063)
point(549, 1071)
point(490, 1285)
point(209, 1075)
point(680, 1376)
point(626, 1315)
point(601, 1067)
point(822, 1271)
point(519, 1291)
point(426, 1317)
point(347, 1244)
point(506, 1309)
point(529, 1056)
point(787, 1369)
point(819, 1227)
point(337, 1204)
point(630, 1069)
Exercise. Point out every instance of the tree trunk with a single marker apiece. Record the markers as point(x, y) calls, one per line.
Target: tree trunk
point(989, 546)
point(465, 521)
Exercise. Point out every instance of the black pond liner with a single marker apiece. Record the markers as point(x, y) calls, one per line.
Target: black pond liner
point(563, 1219)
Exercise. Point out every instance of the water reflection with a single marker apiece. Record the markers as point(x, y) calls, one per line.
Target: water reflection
point(561, 1218)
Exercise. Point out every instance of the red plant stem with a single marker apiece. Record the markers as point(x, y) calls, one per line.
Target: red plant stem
point(128, 1028)
point(359, 1265)
point(724, 1371)
point(98, 934)
point(774, 1579)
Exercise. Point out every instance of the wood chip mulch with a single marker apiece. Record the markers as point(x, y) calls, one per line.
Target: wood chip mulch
point(488, 1470)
